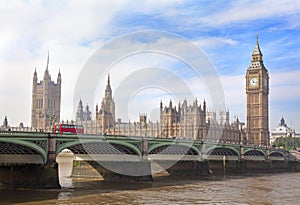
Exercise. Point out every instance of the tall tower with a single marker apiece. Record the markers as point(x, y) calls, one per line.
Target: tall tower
point(46, 99)
point(106, 116)
point(257, 92)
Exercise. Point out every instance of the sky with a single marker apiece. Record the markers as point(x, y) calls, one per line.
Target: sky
point(74, 32)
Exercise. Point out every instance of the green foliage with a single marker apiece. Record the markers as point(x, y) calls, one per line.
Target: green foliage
point(287, 142)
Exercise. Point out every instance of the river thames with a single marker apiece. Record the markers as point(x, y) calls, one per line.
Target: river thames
point(280, 188)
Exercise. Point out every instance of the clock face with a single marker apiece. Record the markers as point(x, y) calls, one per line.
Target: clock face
point(253, 82)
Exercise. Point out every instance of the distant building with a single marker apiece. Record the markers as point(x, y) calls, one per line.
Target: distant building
point(5, 122)
point(282, 130)
point(105, 122)
point(6, 127)
point(105, 117)
point(46, 100)
point(223, 117)
point(83, 115)
point(191, 122)
point(184, 121)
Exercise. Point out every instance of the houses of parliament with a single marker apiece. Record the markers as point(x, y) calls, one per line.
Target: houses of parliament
point(190, 121)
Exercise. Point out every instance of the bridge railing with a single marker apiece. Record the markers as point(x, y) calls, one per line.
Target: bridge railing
point(23, 134)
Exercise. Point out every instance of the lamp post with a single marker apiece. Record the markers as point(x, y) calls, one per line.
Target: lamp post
point(53, 120)
point(293, 133)
point(241, 143)
point(241, 133)
point(145, 128)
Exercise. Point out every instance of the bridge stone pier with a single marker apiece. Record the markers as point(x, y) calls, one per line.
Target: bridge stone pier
point(28, 159)
point(185, 168)
point(29, 175)
point(123, 171)
point(22, 166)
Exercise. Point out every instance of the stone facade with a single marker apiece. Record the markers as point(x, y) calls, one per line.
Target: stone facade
point(46, 99)
point(185, 121)
point(105, 117)
point(83, 115)
point(257, 90)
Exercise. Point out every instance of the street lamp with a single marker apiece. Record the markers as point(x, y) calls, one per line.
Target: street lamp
point(293, 132)
point(53, 120)
point(240, 133)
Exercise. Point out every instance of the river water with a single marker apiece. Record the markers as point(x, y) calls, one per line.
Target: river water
point(283, 188)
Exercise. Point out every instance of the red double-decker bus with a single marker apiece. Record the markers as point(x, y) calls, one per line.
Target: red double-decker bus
point(68, 128)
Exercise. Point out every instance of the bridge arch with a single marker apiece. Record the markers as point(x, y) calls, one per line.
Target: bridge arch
point(254, 152)
point(223, 151)
point(171, 148)
point(97, 145)
point(276, 154)
point(28, 145)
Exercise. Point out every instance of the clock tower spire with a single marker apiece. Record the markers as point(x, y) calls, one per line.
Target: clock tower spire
point(257, 92)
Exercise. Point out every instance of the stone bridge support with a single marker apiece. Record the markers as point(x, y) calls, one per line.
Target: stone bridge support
point(123, 171)
point(29, 175)
point(185, 168)
point(32, 175)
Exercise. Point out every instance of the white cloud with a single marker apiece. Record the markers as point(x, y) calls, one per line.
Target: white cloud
point(241, 11)
point(285, 86)
point(71, 31)
point(212, 42)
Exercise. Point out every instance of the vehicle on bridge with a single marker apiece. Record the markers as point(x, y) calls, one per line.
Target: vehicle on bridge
point(68, 128)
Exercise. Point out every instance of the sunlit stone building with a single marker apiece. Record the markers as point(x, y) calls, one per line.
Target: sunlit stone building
point(257, 92)
point(185, 120)
point(282, 130)
point(46, 99)
point(182, 121)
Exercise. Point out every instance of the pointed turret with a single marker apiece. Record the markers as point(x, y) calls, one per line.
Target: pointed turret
point(35, 76)
point(79, 113)
point(195, 103)
point(5, 122)
point(108, 92)
point(170, 104)
point(257, 57)
point(46, 74)
point(282, 122)
point(47, 61)
point(59, 77)
point(256, 54)
point(80, 107)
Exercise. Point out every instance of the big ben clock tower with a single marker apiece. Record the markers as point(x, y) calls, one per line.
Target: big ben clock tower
point(257, 91)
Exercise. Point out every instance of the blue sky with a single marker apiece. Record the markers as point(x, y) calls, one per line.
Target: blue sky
point(72, 31)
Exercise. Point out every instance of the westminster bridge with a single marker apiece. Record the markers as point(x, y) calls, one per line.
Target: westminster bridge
point(29, 158)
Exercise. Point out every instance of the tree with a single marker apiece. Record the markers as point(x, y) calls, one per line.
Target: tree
point(287, 142)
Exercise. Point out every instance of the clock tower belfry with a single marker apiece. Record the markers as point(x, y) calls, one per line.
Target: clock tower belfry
point(257, 92)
